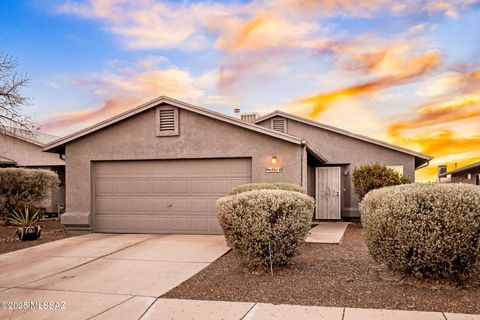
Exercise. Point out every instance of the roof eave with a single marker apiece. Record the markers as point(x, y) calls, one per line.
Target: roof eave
point(314, 152)
point(460, 170)
point(344, 132)
point(60, 143)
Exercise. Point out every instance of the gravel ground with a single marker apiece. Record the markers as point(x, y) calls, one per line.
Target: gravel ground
point(329, 275)
point(52, 230)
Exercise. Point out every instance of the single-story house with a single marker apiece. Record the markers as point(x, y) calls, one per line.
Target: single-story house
point(23, 148)
point(161, 166)
point(469, 174)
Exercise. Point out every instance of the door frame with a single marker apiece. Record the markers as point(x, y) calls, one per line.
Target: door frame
point(339, 216)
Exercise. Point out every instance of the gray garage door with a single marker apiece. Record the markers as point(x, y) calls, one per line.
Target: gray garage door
point(164, 196)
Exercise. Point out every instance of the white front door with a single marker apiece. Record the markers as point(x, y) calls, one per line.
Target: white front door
point(328, 204)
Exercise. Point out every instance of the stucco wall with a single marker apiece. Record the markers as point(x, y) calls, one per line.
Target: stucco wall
point(349, 153)
point(27, 154)
point(460, 177)
point(200, 137)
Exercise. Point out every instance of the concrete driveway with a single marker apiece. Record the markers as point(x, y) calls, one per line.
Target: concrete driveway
point(100, 276)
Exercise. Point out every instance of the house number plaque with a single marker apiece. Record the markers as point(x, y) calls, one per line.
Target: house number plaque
point(274, 170)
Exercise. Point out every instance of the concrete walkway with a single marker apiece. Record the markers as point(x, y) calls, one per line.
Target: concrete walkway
point(203, 310)
point(328, 232)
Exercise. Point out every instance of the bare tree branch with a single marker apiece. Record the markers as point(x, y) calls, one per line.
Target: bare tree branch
point(12, 101)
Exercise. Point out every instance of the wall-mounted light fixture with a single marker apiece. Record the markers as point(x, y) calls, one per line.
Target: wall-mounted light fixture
point(274, 160)
point(346, 172)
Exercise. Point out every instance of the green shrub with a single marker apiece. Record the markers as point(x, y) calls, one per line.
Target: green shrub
point(267, 227)
point(263, 186)
point(429, 230)
point(20, 188)
point(374, 176)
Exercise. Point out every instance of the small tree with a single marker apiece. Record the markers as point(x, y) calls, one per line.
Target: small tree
point(12, 100)
point(20, 188)
point(373, 176)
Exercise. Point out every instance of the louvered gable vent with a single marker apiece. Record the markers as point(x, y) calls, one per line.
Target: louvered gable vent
point(167, 121)
point(279, 125)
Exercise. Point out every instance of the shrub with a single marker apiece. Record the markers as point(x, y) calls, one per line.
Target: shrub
point(428, 230)
point(20, 188)
point(264, 186)
point(373, 176)
point(267, 227)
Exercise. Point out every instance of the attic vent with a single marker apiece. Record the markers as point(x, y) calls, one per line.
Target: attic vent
point(279, 125)
point(167, 121)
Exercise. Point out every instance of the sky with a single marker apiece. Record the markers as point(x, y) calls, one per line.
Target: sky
point(405, 72)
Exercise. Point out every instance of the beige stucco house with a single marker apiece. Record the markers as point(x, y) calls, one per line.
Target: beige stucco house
point(161, 166)
point(23, 148)
point(468, 174)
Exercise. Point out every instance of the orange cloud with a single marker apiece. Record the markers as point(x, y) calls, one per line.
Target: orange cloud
point(125, 88)
point(447, 129)
point(446, 146)
point(461, 108)
point(398, 70)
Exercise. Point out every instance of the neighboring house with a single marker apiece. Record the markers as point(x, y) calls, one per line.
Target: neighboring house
point(22, 148)
point(468, 174)
point(160, 167)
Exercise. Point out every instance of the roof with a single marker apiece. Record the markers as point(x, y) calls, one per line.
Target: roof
point(59, 144)
point(32, 136)
point(6, 161)
point(462, 169)
point(343, 132)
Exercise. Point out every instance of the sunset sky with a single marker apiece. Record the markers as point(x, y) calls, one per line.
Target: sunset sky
point(406, 72)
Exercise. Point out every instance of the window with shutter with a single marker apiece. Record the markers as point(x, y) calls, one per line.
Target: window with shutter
point(167, 121)
point(279, 125)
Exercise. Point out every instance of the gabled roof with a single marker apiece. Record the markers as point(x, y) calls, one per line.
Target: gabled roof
point(343, 132)
point(59, 144)
point(32, 136)
point(462, 169)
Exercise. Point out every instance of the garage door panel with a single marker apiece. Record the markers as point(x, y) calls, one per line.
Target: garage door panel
point(200, 206)
point(103, 186)
point(165, 196)
point(180, 186)
point(160, 186)
point(220, 186)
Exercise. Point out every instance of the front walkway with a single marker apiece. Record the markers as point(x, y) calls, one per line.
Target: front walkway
point(328, 232)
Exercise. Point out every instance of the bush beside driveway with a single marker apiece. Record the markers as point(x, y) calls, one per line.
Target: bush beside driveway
point(342, 275)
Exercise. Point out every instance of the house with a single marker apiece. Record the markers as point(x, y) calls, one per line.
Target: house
point(161, 166)
point(469, 174)
point(23, 148)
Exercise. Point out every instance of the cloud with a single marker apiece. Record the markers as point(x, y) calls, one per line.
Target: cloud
point(446, 146)
point(393, 69)
point(148, 24)
point(448, 126)
point(128, 86)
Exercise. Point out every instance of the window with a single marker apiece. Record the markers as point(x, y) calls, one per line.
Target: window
point(279, 124)
point(477, 181)
point(468, 176)
point(167, 121)
point(398, 169)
